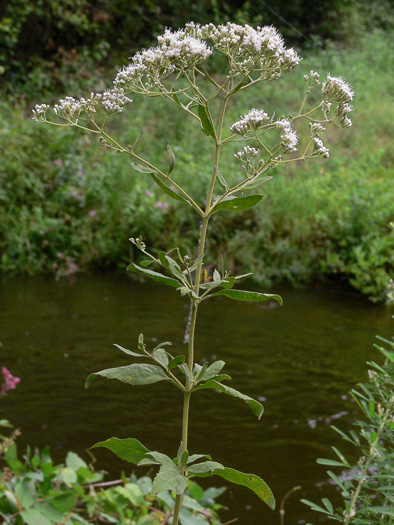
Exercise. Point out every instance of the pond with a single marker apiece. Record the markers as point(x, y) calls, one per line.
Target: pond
point(300, 360)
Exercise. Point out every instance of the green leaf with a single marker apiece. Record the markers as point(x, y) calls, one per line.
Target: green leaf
point(221, 179)
point(171, 157)
point(238, 203)
point(256, 183)
point(206, 123)
point(146, 263)
point(26, 493)
point(330, 462)
point(195, 457)
point(156, 276)
point(34, 517)
point(68, 475)
point(314, 506)
point(168, 477)
point(176, 99)
point(205, 466)
point(129, 449)
point(161, 356)
point(65, 501)
point(129, 352)
point(243, 295)
point(214, 370)
point(74, 461)
point(178, 360)
point(250, 481)
point(197, 262)
point(167, 190)
point(256, 407)
point(132, 148)
point(185, 370)
point(143, 169)
point(136, 374)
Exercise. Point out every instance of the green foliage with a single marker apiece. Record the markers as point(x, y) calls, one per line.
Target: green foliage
point(37, 490)
point(65, 206)
point(367, 486)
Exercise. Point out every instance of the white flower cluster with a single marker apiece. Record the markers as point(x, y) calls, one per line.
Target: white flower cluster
point(313, 79)
point(247, 153)
point(71, 108)
point(113, 101)
point(249, 47)
point(336, 90)
point(288, 137)
point(176, 51)
point(39, 112)
point(319, 150)
point(252, 121)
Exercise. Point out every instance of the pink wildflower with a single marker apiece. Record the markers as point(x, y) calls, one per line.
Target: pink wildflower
point(9, 381)
point(92, 213)
point(148, 193)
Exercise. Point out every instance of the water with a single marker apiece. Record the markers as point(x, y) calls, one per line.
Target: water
point(300, 360)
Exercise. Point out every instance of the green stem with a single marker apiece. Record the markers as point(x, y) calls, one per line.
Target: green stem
point(190, 357)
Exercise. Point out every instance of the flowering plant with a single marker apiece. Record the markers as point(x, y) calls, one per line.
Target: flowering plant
point(176, 70)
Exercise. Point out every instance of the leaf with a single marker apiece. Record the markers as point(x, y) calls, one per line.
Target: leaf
point(129, 352)
point(136, 374)
point(238, 203)
point(143, 169)
point(205, 466)
point(206, 123)
point(250, 481)
point(186, 371)
point(74, 461)
point(256, 407)
point(195, 457)
point(65, 501)
point(34, 517)
point(171, 157)
point(132, 148)
point(243, 295)
point(176, 100)
point(221, 179)
point(156, 276)
point(167, 190)
point(197, 262)
point(168, 477)
point(330, 462)
point(178, 360)
point(26, 493)
point(256, 183)
point(161, 356)
point(146, 263)
point(213, 370)
point(129, 449)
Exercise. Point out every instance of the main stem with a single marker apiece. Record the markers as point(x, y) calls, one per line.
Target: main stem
point(193, 319)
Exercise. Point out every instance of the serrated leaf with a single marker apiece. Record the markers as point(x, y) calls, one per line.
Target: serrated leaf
point(35, 517)
point(136, 374)
point(178, 360)
point(238, 203)
point(250, 481)
point(129, 449)
point(156, 276)
point(243, 295)
point(129, 352)
point(205, 466)
point(256, 407)
point(171, 157)
point(206, 123)
point(142, 169)
point(256, 183)
point(167, 190)
point(168, 477)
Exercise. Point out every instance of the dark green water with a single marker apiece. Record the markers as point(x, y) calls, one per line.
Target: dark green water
point(300, 359)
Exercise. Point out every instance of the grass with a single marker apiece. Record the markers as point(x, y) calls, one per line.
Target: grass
point(67, 203)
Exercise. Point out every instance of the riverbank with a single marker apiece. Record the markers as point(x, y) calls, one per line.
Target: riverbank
point(66, 204)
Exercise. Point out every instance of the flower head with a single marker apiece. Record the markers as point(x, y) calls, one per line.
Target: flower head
point(288, 137)
point(255, 119)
